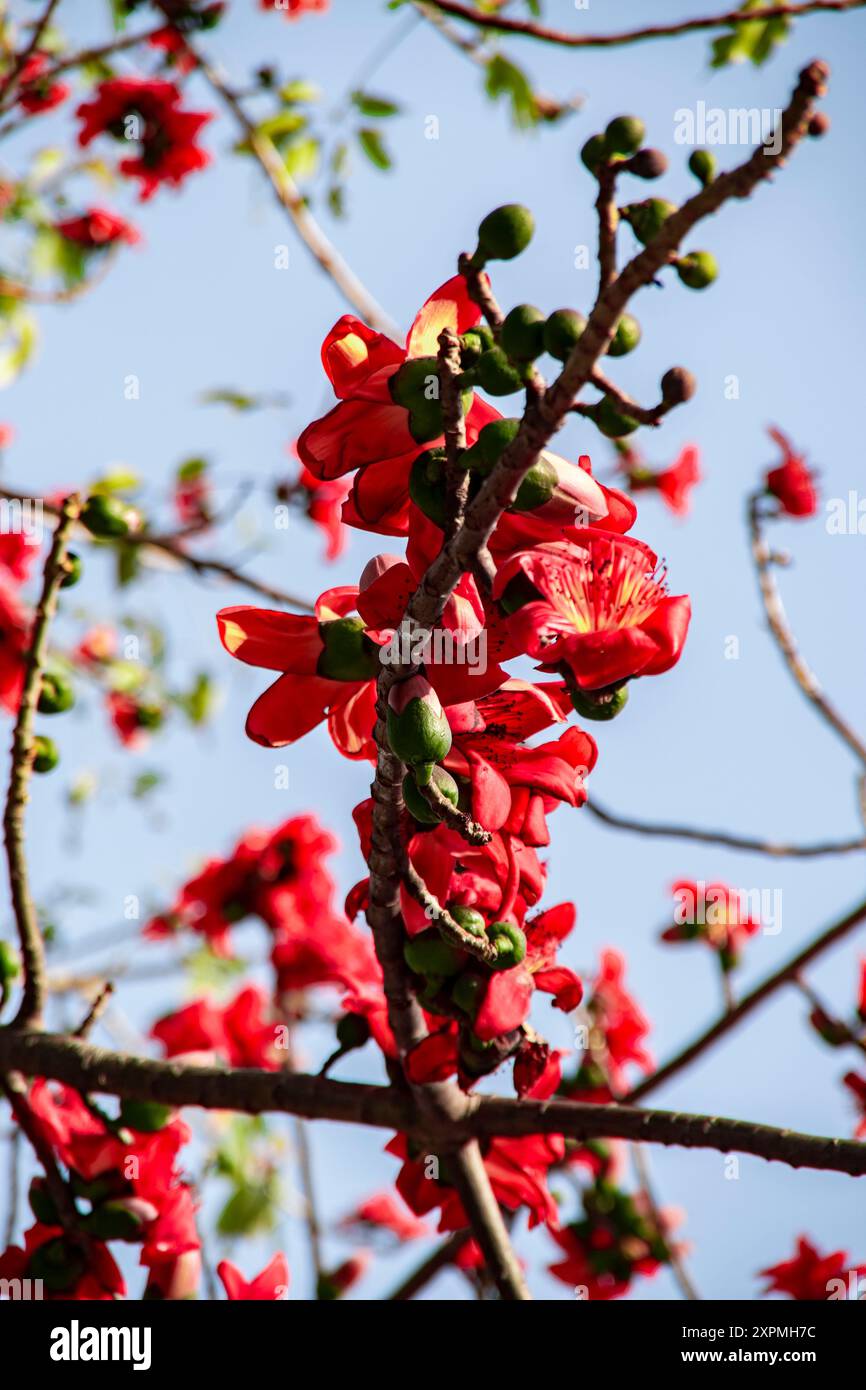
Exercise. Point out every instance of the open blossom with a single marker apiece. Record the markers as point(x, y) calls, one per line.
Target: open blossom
point(603, 609)
point(386, 1212)
point(37, 92)
point(812, 1276)
point(271, 1284)
point(97, 228)
point(17, 554)
point(674, 484)
point(148, 111)
point(517, 1169)
point(240, 1032)
point(294, 9)
point(792, 482)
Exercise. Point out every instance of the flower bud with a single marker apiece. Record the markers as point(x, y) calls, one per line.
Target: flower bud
point(819, 125)
point(611, 421)
point(626, 336)
point(73, 570)
point(42, 1203)
point(496, 375)
point(648, 164)
point(521, 334)
point(416, 380)
point(594, 153)
point(473, 342)
point(353, 1031)
point(428, 954)
point(416, 804)
point(46, 754)
point(427, 485)
point(467, 992)
point(624, 135)
point(418, 730)
point(375, 568)
point(109, 517)
point(562, 331)
point(510, 944)
point(146, 1116)
point(505, 232)
point(678, 385)
point(599, 704)
point(537, 488)
point(697, 270)
point(348, 653)
point(468, 918)
point(702, 164)
point(10, 963)
point(646, 219)
point(55, 694)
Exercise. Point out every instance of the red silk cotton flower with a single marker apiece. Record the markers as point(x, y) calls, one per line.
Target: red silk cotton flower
point(38, 93)
point(602, 609)
point(271, 1284)
point(674, 483)
point(367, 430)
point(792, 483)
point(811, 1276)
point(96, 229)
point(136, 108)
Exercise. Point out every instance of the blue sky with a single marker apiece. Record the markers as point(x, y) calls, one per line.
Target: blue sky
point(716, 742)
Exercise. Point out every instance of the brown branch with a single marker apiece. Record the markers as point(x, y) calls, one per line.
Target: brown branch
point(478, 946)
point(443, 1255)
point(252, 1091)
point(456, 476)
point(527, 29)
point(608, 220)
point(773, 848)
point(645, 415)
point(479, 291)
point(173, 545)
point(729, 1020)
point(455, 819)
point(32, 948)
point(784, 637)
point(487, 1224)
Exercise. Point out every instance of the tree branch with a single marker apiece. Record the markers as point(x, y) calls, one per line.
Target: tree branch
point(32, 949)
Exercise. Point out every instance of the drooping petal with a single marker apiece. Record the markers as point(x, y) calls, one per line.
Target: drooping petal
point(447, 307)
point(266, 637)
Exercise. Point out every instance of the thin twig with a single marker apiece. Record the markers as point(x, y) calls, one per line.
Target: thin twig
point(725, 838)
point(32, 947)
point(784, 637)
point(681, 1275)
point(527, 29)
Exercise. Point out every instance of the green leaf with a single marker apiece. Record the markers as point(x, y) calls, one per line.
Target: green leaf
point(301, 157)
point(337, 200)
point(17, 343)
point(284, 123)
point(374, 148)
point(117, 480)
point(190, 469)
point(250, 1209)
point(505, 79)
point(377, 107)
point(197, 703)
point(210, 971)
point(145, 783)
point(751, 41)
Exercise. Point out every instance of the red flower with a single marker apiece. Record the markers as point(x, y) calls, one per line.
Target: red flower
point(333, 1283)
point(96, 229)
point(366, 431)
point(603, 609)
point(385, 1211)
point(238, 1032)
point(674, 483)
point(14, 645)
point(714, 913)
point(618, 1031)
point(508, 996)
point(17, 553)
point(36, 93)
point(323, 504)
point(272, 1283)
point(809, 1275)
point(147, 111)
point(617, 1240)
point(792, 482)
point(294, 9)
point(517, 1169)
point(68, 1273)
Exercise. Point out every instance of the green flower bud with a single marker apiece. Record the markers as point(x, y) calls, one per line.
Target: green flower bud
point(46, 754)
point(703, 165)
point(537, 487)
point(113, 1221)
point(73, 571)
point(594, 153)
point(599, 704)
point(611, 421)
point(428, 954)
point(58, 1264)
point(698, 269)
point(353, 1031)
point(467, 993)
point(418, 730)
point(473, 342)
point(505, 232)
point(468, 918)
point(10, 963)
point(425, 421)
point(521, 335)
point(427, 485)
point(510, 944)
point(626, 337)
point(419, 808)
point(648, 164)
point(496, 375)
point(417, 380)
point(42, 1203)
point(491, 443)
point(518, 591)
point(624, 135)
point(678, 385)
point(562, 331)
point(56, 693)
point(646, 219)
point(109, 517)
point(348, 653)
point(146, 1116)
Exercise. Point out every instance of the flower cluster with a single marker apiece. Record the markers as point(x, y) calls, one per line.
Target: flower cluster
point(149, 114)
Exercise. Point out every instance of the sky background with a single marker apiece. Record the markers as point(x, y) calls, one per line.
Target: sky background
point(716, 742)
